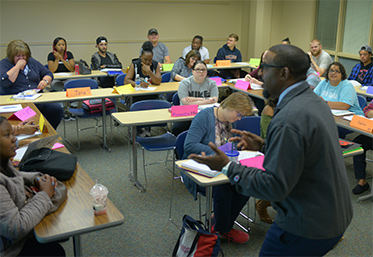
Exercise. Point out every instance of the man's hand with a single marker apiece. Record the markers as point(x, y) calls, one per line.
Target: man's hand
point(247, 140)
point(215, 162)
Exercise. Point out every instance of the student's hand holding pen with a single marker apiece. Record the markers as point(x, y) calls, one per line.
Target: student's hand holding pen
point(27, 128)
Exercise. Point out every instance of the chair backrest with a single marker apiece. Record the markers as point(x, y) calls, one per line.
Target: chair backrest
point(175, 99)
point(180, 139)
point(120, 79)
point(149, 105)
point(166, 77)
point(250, 124)
point(81, 83)
point(362, 101)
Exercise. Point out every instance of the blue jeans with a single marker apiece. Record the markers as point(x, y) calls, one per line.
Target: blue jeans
point(278, 242)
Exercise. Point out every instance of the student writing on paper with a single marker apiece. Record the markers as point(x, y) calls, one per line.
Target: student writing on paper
point(20, 72)
point(27, 128)
point(305, 180)
point(21, 208)
point(363, 71)
point(104, 59)
point(360, 160)
point(214, 125)
point(338, 92)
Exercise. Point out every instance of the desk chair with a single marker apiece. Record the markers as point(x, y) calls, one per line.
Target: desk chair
point(175, 99)
point(166, 77)
point(164, 142)
point(119, 81)
point(249, 123)
point(79, 112)
point(362, 101)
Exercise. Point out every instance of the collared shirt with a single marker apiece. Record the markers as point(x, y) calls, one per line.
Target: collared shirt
point(288, 90)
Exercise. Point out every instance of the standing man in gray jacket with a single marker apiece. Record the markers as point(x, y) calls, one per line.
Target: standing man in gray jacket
point(305, 177)
point(104, 59)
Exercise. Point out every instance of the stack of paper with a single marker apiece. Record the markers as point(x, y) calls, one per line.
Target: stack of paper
point(198, 168)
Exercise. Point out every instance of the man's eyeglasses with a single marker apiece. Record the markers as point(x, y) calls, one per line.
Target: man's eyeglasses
point(334, 71)
point(262, 65)
point(200, 70)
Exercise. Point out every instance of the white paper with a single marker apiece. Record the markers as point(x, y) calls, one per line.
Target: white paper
point(364, 88)
point(255, 86)
point(350, 117)
point(108, 69)
point(62, 74)
point(26, 97)
point(354, 83)
point(248, 154)
point(241, 63)
point(341, 112)
point(20, 152)
point(10, 108)
point(23, 136)
point(204, 106)
point(148, 88)
point(199, 167)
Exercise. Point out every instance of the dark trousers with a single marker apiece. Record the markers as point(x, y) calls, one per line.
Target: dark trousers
point(53, 112)
point(227, 206)
point(359, 160)
point(33, 248)
point(278, 242)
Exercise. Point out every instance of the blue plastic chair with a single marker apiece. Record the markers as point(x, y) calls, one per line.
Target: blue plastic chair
point(249, 123)
point(362, 101)
point(175, 99)
point(164, 142)
point(120, 79)
point(79, 112)
point(166, 77)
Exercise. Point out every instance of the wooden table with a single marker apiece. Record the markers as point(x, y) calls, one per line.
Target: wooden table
point(234, 65)
point(362, 92)
point(55, 97)
point(141, 118)
point(75, 216)
point(94, 74)
point(346, 124)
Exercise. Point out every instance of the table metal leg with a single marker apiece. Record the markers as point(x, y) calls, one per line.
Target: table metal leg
point(366, 197)
point(104, 133)
point(77, 246)
point(133, 176)
point(208, 207)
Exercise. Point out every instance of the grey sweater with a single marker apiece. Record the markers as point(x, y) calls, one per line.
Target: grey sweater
point(17, 217)
point(305, 176)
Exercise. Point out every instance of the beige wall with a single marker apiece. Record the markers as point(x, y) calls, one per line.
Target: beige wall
point(259, 23)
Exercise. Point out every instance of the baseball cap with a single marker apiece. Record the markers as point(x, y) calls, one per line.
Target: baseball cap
point(151, 31)
point(366, 48)
point(100, 39)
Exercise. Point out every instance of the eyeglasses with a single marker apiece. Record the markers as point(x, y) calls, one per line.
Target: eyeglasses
point(334, 71)
point(262, 65)
point(200, 70)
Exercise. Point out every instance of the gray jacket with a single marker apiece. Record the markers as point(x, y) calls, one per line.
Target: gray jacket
point(96, 61)
point(17, 217)
point(305, 176)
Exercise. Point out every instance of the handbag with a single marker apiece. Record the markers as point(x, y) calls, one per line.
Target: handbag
point(195, 240)
point(83, 67)
point(95, 105)
point(45, 160)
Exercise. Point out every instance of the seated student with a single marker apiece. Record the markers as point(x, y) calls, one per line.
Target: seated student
point(253, 77)
point(230, 52)
point(19, 72)
point(286, 41)
point(150, 73)
point(60, 60)
point(182, 68)
point(104, 59)
point(160, 50)
point(338, 92)
point(18, 215)
point(320, 60)
point(197, 89)
point(214, 125)
point(359, 160)
point(197, 45)
point(363, 71)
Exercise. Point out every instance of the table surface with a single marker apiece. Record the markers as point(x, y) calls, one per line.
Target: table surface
point(75, 216)
point(346, 124)
point(362, 92)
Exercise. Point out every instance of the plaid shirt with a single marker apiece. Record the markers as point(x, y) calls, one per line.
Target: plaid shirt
point(368, 79)
point(368, 108)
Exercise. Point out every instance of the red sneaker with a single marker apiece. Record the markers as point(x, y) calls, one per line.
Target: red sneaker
point(236, 236)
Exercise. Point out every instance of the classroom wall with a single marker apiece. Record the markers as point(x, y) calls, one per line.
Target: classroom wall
point(259, 24)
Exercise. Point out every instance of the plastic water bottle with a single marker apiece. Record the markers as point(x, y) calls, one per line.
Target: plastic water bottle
point(137, 81)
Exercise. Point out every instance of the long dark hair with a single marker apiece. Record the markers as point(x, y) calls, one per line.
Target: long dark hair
point(4, 168)
point(55, 43)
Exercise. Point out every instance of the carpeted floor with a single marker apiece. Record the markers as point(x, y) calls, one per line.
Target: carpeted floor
point(147, 231)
